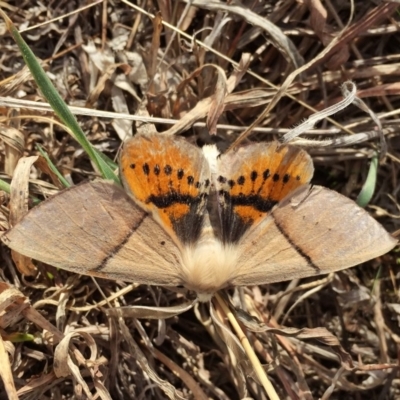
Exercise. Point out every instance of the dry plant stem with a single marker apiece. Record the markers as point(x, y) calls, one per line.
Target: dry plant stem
point(6, 373)
point(77, 11)
point(181, 374)
point(249, 71)
point(270, 390)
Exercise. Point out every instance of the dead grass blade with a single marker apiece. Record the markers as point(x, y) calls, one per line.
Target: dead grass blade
point(65, 366)
point(19, 197)
point(259, 371)
point(158, 313)
point(198, 394)
point(14, 143)
point(277, 37)
point(6, 373)
point(140, 358)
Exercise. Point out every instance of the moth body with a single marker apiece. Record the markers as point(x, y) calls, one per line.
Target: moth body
point(208, 266)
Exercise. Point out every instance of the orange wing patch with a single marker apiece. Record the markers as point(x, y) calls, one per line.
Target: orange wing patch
point(253, 179)
point(169, 178)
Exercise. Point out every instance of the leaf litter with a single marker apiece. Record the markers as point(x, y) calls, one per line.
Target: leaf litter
point(272, 64)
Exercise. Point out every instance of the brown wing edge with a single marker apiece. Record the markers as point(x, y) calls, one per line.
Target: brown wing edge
point(340, 227)
point(77, 237)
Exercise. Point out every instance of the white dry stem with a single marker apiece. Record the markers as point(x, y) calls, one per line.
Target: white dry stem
point(309, 123)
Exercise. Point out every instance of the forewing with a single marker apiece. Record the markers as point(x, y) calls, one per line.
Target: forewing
point(169, 178)
point(252, 179)
point(96, 229)
point(313, 231)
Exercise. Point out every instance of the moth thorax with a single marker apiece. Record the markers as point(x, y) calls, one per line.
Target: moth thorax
point(208, 266)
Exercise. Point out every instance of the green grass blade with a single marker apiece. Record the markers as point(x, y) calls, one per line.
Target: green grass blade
point(109, 162)
point(57, 103)
point(19, 337)
point(4, 186)
point(368, 188)
point(7, 188)
point(52, 166)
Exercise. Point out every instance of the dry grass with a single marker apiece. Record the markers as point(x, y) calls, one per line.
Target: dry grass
point(55, 331)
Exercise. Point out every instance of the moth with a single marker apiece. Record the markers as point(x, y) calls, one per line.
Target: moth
point(188, 216)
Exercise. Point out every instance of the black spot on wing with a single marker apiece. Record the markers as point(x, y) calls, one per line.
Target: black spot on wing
point(146, 169)
point(286, 178)
point(241, 180)
point(221, 179)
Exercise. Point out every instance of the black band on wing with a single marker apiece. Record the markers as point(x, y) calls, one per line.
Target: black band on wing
point(187, 228)
point(234, 225)
point(297, 248)
point(118, 247)
point(167, 200)
point(253, 200)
